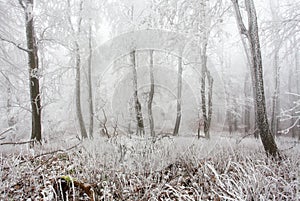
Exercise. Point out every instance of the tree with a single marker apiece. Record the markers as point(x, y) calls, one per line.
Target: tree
point(252, 37)
point(91, 108)
point(204, 29)
point(76, 30)
point(276, 41)
point(151, 94)
point(137, 105)
point(179, 99)
point(33, 68)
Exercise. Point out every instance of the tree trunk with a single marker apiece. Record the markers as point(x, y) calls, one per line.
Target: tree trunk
point(77, 67)
point(247, 107)
point(90, 87)
point(137, 105)
point(256, 65)
point(290, 79)
point(276, 71)
point(33, 68)
point(248, 56)
point(151, 94)
point(78, 93)
point(179, 98)
point(206, 108)
point(297, 70)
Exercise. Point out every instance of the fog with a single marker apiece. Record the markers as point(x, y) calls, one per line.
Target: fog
point(172, 29)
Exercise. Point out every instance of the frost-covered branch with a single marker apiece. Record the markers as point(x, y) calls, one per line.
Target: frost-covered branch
point(15, 44)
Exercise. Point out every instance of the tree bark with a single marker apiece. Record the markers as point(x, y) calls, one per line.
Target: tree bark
point(137, 105)
point(151, 94)
point(33, 68)
point(90, 87)
point(206, 107)
point(251, 34)
point(179, 98)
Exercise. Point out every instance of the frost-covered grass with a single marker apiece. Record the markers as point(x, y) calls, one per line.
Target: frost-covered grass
point(181, 168)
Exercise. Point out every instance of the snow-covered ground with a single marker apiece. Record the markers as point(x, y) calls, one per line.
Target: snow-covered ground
point(172, 168)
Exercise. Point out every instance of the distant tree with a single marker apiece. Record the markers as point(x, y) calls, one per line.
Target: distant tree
point(179, 98)
point(151, 94)
point(137, 105)
point(76, 30)
point(252, 37)
point(90, 96)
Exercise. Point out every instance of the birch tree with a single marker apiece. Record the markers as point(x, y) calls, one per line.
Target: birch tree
point(253, 44)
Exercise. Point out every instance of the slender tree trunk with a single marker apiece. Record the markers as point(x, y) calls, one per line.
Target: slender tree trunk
point(247, 107)
point(256, 65)
point(77, 67)
point(297, 70)
point(151, 94)
point(275, 98)
point(78, 93)
point(90, 87)
point(179, 98)
point(33, 68)
point(248, 56)
point(234, 115)
point(276, 70)
point(137, 105)
point(206, 107)
point(292, 130)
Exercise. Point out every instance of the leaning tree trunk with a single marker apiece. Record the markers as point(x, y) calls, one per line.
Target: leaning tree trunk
point(33, 68)
point(256, 65)
point(137, 105)
point(179, 98)
point(151, 94)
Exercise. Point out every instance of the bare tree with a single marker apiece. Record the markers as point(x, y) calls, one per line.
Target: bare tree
point(151, 94)
point(137, 105)
point(179, 94)
point(252, 37)
point(76, 30)
point(276, 40)
point(33, 68)
point(90, 87)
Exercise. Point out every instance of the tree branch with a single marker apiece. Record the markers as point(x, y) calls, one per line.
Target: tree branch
point(15, 44)
point(16, 143)
point(239, 18)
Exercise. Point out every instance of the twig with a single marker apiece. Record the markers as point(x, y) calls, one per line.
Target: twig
point(59, 150)
point(247, 135)
point(16, 143)
point(3, 132)
point(15, 44)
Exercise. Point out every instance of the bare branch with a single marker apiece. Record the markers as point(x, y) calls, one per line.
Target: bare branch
point(16, 143)
point(239, 18)
point(15, 44)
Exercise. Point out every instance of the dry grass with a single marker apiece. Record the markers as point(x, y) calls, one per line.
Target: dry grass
point(136, 169)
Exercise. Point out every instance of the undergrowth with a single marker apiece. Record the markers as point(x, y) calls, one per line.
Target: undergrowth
point(138, 169)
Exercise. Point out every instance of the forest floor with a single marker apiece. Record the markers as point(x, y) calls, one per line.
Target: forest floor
point(179, 168)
